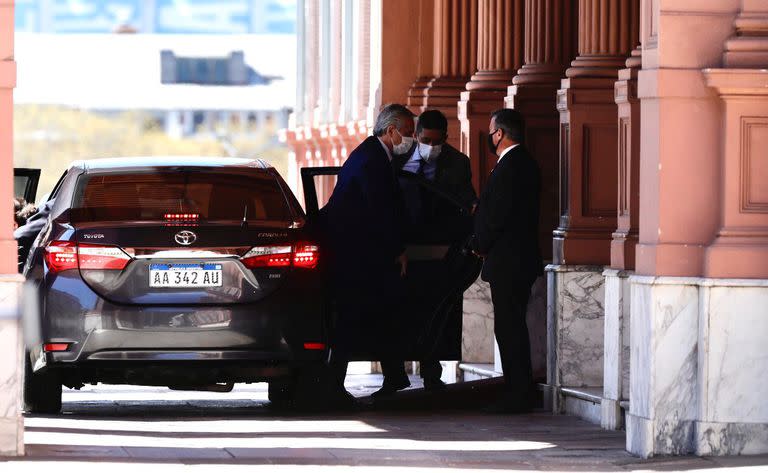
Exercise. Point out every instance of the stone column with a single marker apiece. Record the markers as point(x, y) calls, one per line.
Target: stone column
point(550, 45)
point(11, 348)
point(698, 351)
point(733, 415)
point(499, 56)
point(617, 288)
point(455, 60)
point(607, 34)
point(741, 247)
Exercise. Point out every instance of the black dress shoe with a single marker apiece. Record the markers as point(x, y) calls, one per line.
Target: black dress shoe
point(388, 389)
point(434, 385)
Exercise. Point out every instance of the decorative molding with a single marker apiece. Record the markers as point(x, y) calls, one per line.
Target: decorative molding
point(565, 165)
point(594, 136)
point(624, 154)
point(752, 163)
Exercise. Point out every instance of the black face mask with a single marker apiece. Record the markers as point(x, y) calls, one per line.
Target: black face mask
point(491, 146)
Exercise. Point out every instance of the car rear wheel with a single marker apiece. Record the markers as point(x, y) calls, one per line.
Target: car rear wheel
point(308, 388)
point(42, 391)
point(281, 391)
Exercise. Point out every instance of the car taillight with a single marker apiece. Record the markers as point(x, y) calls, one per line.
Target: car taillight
point(61, 255)
point(268, 257)
point(64, 255)
point(101, 257)
point(280, 256)
point(305, 256)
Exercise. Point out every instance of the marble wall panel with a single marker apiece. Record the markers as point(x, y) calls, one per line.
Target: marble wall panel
point(663, 366)
point(477, 339)
point(734, 354)
point(11, 371)
point(575, 325)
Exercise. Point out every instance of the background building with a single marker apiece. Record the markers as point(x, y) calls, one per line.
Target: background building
point(648, 119)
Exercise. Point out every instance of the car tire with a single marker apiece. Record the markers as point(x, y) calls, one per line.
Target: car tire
point(42, 391)
point(306, 389)
point(281, 391)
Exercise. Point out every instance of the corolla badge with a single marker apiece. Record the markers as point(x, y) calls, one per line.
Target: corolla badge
point(185, 237)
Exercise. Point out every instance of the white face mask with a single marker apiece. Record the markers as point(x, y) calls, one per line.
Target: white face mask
point(404, 146)
point(429, 152)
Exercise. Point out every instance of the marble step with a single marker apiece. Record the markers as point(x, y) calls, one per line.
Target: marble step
point(583, 403)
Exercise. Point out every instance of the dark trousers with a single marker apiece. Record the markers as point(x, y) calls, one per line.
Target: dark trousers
point(394, 371)
point(510, 302)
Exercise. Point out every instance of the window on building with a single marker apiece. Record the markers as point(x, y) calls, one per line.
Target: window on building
point(229, 70)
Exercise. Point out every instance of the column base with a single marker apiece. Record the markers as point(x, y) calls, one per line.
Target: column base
point(611, 416)
point(616, 351)
point(698, 348)
point(730, 438)
point(11, 368)
point(575, 298)
point(647, 438)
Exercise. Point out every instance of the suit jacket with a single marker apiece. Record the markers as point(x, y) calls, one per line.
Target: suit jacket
point(453, 173)
point(365, 215)
point(507, 220)
point(364, 221)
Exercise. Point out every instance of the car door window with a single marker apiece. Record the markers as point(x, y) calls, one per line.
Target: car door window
point(25, 182)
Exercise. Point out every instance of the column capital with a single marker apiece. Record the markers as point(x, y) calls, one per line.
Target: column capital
point(749, 47)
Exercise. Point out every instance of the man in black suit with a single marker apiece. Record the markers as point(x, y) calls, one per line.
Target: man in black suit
point(365, 222)
point(506, 235)
point(435, 160)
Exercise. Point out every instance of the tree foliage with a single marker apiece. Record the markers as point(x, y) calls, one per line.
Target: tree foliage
point(50, 138)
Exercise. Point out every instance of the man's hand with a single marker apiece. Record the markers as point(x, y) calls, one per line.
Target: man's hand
point(403, 261)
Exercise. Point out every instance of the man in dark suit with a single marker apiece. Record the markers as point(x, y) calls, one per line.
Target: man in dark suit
point(506, 235)
point(435, 160)
point(365, 222)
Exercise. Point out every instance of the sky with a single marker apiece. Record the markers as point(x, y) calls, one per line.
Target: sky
point(157, 16)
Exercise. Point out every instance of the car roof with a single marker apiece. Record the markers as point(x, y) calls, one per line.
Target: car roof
point(145, 162)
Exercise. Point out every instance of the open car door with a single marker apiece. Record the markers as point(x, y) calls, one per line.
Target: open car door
point(25, 182)
point(440, 267)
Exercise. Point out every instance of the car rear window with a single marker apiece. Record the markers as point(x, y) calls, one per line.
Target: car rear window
point(211, 196)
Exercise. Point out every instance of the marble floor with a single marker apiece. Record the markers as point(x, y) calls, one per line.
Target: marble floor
point(115, 428)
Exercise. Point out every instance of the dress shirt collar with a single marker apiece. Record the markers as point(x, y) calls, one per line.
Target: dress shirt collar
point(389, 153)
point(505, 151)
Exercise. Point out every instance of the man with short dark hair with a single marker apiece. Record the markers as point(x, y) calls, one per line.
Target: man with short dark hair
point(365, 222)
point(506, 235)
point(434, 159)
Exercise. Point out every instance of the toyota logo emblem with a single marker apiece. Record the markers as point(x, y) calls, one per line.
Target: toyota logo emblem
point(185, 237)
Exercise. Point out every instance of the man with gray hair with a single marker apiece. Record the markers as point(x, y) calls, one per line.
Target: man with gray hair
point(365, 222)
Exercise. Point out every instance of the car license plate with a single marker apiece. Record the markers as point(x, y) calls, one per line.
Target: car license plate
point(185, 275)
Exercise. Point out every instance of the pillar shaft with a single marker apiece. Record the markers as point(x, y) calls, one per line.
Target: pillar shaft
point(550, 45)
point(588, 132)
point(741, 247)
point(626, 235)
point(11, 420)
point(455, 59)
point(499, 55)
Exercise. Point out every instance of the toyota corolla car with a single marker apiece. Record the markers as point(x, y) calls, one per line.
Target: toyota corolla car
point(183, 272)
point(197, 273)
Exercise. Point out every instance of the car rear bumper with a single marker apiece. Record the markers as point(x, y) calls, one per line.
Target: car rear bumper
point(275, 329)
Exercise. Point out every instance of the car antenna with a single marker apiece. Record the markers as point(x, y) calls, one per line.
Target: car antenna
point(244, 223)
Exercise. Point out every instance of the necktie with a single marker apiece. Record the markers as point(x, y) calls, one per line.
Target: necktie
point(422, 163)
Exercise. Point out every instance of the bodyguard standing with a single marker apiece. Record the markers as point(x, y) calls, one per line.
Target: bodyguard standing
point(365, 222)
point(506, 235)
